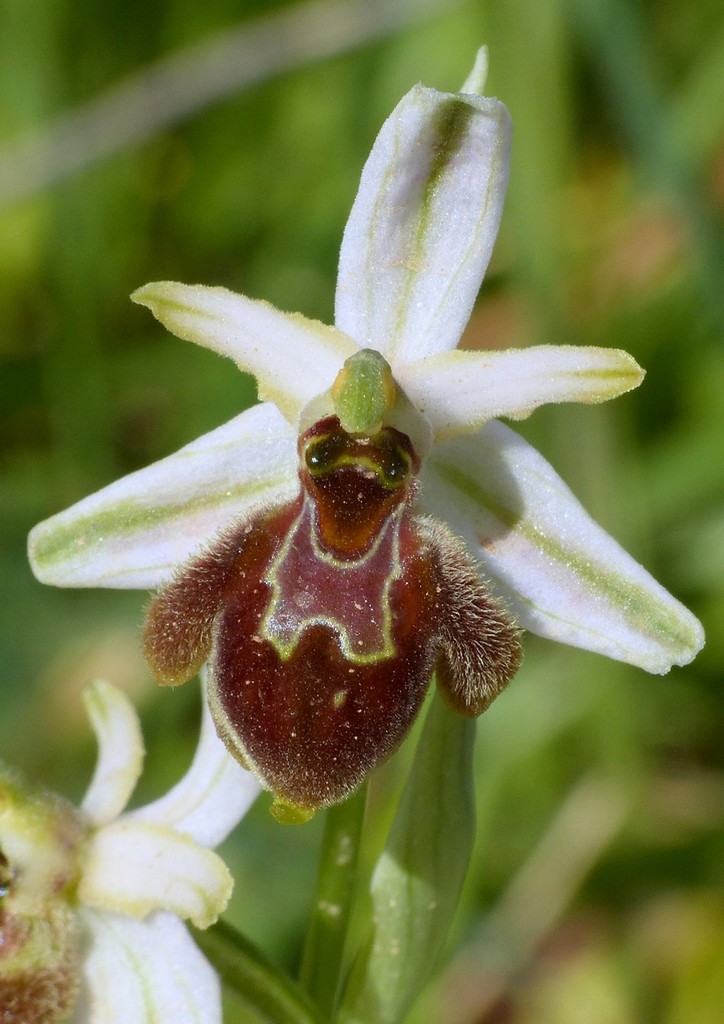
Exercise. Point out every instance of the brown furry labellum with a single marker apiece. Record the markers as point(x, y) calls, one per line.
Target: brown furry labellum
point(324, 619)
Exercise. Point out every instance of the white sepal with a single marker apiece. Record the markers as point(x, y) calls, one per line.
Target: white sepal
point(563, 576)
point(422, 228)
point(138, 530)
point(211, 798)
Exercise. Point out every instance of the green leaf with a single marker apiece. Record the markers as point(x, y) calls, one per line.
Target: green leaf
point(268, 995)
point(416, 884)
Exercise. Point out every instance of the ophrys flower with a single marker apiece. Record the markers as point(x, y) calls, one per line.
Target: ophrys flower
point(93, 900)
point(414, 252)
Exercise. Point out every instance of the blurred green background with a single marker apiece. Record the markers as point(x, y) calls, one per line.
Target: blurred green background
point(222, 143)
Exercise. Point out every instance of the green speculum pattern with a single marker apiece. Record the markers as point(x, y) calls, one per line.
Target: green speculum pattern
point(322, 654)
point(322, 621)
point(342, 554)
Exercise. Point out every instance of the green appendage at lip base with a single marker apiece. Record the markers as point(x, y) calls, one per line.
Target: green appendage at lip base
point(311, 586)
point(364, 392)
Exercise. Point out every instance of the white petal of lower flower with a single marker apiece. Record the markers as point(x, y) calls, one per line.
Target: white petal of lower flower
point(460, 391)
point(423, 225)
point(563, 576)
point(212, 797)
point(120, 752)
point(145, 972)
point(293, 358)
point(136, 531)
point(136, 867)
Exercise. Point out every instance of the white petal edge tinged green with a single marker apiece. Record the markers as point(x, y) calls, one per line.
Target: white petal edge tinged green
point(136, 867)
point(460, 391)
point(277, 348)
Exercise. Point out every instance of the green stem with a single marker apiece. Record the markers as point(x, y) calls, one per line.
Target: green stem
point(416, 884)
point(322, 960)
point(268, 995)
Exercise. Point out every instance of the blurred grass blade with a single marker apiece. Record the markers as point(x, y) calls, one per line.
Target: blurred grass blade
point(267, 995)
point(697, 108)
point(177, 86)
point(417, 881)
point(613, 31)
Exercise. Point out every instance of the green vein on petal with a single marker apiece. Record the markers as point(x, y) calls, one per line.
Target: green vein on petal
point(135, 531)
point(447, 132)
point(52, 542)
point(423, 224)
point(674, 627)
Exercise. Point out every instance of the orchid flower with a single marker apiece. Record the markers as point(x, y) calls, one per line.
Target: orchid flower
point(94, 899)
point(414, 253)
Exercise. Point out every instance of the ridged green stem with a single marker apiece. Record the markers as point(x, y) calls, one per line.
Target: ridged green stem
point(322, 960)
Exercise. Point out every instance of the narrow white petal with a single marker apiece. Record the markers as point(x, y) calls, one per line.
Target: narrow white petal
point(135, 867)
point(292, 358)
point(211, 798)
point(136, 531)
point(144, 972)
point(120, 752)
point(460, 391)
point(422, 227)
point(563, 576)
